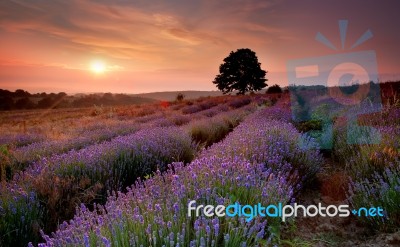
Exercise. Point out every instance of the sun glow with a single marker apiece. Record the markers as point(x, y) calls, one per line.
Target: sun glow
point(98, 67)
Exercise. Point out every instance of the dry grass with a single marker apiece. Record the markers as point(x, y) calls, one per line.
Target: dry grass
point(64, 124)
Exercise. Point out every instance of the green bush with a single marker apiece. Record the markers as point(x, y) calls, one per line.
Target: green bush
point(7, 163)
point(310, 125)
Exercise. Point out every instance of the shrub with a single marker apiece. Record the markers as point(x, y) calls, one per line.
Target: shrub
point(276, 144)
point(21, 139)
point(97, 110)
point(261, 101)
point(149, 118)
point(222, 108)
point(237, 103)
point(28, 154)
point(388, 116)
point(7, 164)
point(20, 215)
point(207, 105)
point(180, 97)
point(373, 154)
point(64, 181)
point(177, 107)
point(210, 112)
point(274, 89)
point(118, 163)
point(162, 122)
point(153, 211)
point(306, 126)
point(208, 131)
point(381, 190)
point(191, 109)
point(180, 120)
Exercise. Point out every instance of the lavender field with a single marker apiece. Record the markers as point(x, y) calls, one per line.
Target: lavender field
point(236, 123)
point(124, 176)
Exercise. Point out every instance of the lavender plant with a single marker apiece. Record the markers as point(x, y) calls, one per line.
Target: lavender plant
point(35, 151)
point(79, 174)
point(153, 212)
point(63, 181)
point(373, 155)
point(117, 163)
point(20, 215)
point(237, 103)
point(20, 139)
point(209, 131)
point(191, 109)
point(275, 143)
point(381, 190)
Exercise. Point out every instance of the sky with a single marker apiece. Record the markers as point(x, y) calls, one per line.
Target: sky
point(137, 46)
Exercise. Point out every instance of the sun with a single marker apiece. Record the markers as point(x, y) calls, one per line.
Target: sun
point(98, 67)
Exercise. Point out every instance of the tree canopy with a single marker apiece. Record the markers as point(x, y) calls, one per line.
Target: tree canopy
point(241, 71)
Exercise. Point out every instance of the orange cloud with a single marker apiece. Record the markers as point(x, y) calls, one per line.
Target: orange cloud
point(51, 43)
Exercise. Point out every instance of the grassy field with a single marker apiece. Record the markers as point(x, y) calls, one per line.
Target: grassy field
point(123, 176)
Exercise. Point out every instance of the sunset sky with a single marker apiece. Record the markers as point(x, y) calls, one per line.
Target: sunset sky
point(129, 46)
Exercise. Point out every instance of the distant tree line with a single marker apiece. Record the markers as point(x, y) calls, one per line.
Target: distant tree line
point(23, 100)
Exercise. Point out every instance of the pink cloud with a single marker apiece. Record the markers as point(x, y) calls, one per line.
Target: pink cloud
point(50, 43)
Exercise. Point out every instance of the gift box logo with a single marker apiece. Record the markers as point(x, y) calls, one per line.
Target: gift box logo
point(340, 85)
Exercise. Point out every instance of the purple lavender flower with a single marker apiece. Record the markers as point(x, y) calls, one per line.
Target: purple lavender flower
point(106, 242)
point(252, 168)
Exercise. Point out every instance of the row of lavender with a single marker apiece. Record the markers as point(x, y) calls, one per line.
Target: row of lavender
point(62, 181)
point(57, 149)
point(27, 154)
point(35, 146)
point(207, 108)
point(365, 142)
point(374, 167)
point(263, 160)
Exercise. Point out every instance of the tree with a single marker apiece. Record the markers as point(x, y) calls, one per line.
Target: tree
point(107, 99)
point(24, 103)
point(180, 97)
point(62, 95)
point(6, 103)
point(21, 93)
point(274, 89)
point(46, 103)
point(241, 71)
